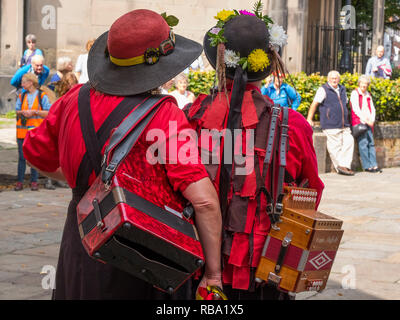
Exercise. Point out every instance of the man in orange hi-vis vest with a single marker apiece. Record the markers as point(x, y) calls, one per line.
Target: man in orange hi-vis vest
point(32, 107)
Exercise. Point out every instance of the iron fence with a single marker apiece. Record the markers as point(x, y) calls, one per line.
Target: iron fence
point(325, 49)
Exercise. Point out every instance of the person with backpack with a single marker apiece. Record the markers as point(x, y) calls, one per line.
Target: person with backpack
point(242, 59)
point(124, 69)
point(32, 107)
point(282, 93)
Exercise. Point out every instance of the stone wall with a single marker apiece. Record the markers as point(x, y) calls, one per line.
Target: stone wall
point(63, 27)
point(387, 147)
point(7, 94)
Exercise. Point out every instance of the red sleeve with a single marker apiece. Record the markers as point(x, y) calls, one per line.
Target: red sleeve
point(301, 159)
point(182, 160)
point(41, 144)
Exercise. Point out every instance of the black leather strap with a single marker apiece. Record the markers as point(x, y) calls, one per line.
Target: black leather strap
point(102, 135)
point(269, 163)
point(92, 144)
point(282, 163)
point(126, 135)
point(272, 133)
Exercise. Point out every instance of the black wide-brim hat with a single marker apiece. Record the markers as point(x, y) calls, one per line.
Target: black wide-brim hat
point(110, 78)
point(243, 33)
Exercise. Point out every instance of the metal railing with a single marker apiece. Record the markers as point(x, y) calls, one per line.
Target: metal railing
point(325, 48)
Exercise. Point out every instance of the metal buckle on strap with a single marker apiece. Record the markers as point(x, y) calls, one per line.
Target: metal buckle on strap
point(103, 160)
point(278, 208)
point(111, 167)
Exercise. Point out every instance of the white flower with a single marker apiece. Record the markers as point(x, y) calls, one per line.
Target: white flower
point(231, 58)
point(277, 35)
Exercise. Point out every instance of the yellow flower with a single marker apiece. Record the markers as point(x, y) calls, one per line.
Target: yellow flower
point(258, 60)
point(224, 14)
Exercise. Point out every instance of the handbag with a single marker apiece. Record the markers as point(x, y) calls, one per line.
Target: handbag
point(358, 129)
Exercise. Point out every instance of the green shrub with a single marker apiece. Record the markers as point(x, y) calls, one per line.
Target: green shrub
point(385, 93)
point(201, 82)
point(9, 115)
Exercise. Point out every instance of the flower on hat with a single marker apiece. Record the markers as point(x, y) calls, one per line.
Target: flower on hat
point(231, 58)
point(277, 35)
point(246, 13)
point(257, 60)
point(215, 30)
point(224, 15)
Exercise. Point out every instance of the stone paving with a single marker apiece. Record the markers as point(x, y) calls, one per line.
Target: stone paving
point(367, 265)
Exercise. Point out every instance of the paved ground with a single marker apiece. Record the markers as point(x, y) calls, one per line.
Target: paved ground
point(367, 265)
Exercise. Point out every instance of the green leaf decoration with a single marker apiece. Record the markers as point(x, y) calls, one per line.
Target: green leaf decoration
point(267, 20)
point(257, 9)
point(171, 20)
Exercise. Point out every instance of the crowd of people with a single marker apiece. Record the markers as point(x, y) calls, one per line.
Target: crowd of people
point(335, 120)
point(36, 92)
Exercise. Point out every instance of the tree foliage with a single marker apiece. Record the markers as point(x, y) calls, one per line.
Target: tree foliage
point(365, 8)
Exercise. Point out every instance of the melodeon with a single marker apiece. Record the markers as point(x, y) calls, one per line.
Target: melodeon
point(150, 235)
point(298, 256)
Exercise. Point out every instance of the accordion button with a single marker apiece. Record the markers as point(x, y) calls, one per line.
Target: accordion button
point(127, 225)
point(170, 290)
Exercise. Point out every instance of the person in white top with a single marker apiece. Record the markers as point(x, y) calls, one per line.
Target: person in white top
point(164, 89)
point(363, 111)
point(197, 65)
point(182, 96)
point(81, 64)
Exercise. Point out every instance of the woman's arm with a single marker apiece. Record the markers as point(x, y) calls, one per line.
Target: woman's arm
point(203, 196)
point(56, 175)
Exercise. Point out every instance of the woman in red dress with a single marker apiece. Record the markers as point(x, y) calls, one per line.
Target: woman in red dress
point(241, 48)
point(122, 63)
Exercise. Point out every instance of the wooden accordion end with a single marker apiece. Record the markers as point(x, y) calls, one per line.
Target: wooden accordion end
point(299, 256)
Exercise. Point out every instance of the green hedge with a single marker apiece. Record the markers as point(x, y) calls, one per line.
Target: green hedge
point(385, 93)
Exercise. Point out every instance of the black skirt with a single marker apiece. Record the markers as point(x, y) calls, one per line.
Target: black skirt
point(79, 277)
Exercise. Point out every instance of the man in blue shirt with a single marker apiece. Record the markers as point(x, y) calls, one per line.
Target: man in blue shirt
point(282, 93)
point(379, 66)
point(36, 67)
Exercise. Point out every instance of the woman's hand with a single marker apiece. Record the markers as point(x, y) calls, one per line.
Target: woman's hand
point(28, 113)
point(209, 281)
